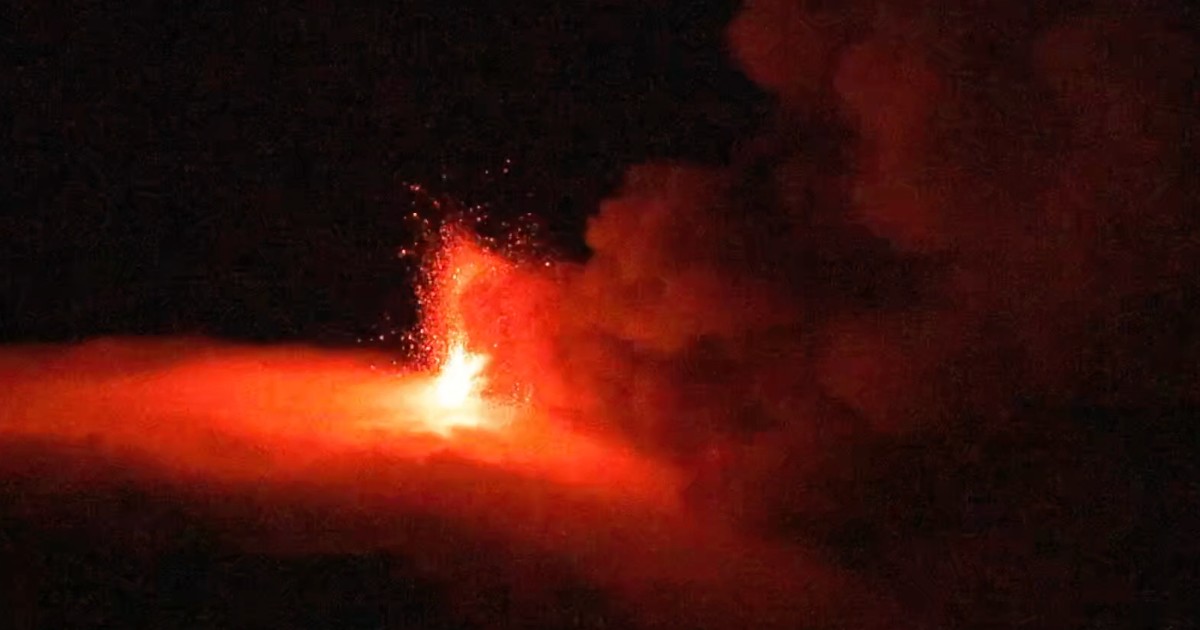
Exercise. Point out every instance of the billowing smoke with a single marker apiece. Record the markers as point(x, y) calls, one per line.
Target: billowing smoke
point(929, 336)
point(936, 319)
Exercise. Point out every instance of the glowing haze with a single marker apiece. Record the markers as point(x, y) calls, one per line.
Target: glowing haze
point(451, 436)
point(928, 335)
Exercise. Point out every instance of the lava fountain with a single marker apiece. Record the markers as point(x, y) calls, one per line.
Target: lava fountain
point(455, 397)
point(457, 387)
point(373, 453)
point(182, 402)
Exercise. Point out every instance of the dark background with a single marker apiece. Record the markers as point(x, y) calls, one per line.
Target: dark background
point(239, 169)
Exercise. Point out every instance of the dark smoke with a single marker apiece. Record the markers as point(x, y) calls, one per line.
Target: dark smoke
point(939, 318)
point(935, 323)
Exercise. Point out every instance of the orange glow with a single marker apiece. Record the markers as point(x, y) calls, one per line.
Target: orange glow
point(455, 397)
point(464, 436)
point(287, 405)
point(293, 428)
point(456, 392)
point(459, 380)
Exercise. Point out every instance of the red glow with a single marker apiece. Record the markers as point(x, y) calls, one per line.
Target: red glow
point(287, 406)
point(467, 440)
point(455, 397)
point(457, 386)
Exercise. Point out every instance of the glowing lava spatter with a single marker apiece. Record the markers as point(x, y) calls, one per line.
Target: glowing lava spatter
point(233, 413)
point(460, 377)
point(455, 398)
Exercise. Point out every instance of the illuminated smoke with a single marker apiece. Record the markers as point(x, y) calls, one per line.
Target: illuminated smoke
point(927, 324)
point(971, 232)
point(270, 433)
point(973, 196)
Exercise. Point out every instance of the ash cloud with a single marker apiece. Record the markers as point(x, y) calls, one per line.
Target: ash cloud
point(935, 323)
point(938, 319)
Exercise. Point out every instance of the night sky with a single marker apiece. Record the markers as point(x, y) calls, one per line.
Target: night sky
point(240, 170)
point(908, 288)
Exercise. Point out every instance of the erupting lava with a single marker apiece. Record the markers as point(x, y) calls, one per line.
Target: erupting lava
point(459, 378)
point(455, 398)
point(372, 456)
point(168, 398)
point(457, 391)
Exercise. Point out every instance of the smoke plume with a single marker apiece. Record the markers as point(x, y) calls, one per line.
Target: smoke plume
point(936, 318)
point(923, 352)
